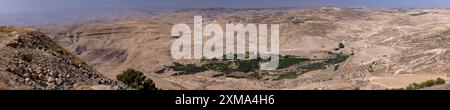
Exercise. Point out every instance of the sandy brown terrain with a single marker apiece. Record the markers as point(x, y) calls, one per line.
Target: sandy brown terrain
point(391, 47)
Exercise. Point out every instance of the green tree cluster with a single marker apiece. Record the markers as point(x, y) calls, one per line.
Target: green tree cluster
point(136, 79)
point(428, 83)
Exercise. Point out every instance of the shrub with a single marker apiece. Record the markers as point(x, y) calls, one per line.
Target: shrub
point(248, 65)
point(149, 85)
point(341, 45)
point(132, 78)
point(340, 57)
point(288, 61)
point(222, 67)
point(440, 81)
point(161, 71)
point(186, 69)
point(336, 67)
point(428, 83)
point(4, 86)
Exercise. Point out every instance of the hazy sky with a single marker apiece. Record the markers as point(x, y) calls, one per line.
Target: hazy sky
point(17, 6)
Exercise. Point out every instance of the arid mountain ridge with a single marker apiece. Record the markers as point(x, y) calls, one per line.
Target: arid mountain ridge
point(390, 48)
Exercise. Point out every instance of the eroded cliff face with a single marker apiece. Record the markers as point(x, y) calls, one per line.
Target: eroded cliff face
point(31, 60)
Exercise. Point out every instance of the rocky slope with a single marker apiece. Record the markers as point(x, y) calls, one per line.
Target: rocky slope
point(31, 60)
point(391, 47)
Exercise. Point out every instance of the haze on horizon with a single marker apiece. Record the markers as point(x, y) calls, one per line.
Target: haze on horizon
point(23, 6)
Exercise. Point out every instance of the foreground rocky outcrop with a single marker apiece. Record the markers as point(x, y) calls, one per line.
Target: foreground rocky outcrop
point(31, 60)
